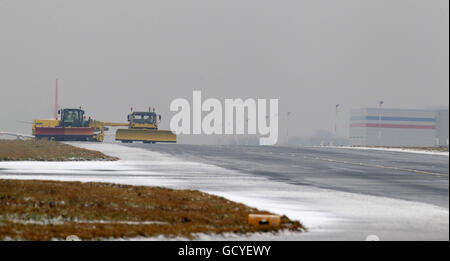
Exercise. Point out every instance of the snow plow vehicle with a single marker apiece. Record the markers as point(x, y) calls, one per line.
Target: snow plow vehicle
point(143, 127)
point(72, 126)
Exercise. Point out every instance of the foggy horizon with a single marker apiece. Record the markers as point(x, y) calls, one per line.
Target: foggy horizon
point(109, 56)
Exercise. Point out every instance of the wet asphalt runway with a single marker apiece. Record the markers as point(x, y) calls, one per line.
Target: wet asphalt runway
point(399, 175)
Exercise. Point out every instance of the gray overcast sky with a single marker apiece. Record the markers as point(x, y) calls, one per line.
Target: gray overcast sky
point(110, 55)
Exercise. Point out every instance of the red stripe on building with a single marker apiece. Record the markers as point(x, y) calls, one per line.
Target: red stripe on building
point(395, 126)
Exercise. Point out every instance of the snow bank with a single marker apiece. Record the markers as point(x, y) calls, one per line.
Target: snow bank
point(417, 151)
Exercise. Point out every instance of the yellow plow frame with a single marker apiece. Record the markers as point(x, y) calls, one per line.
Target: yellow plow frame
point(145, 135)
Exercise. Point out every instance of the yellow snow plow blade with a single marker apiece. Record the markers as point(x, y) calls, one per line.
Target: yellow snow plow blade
point(145, 135)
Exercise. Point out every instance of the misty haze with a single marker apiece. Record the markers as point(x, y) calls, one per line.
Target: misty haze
point(311, 55)
point(234, 123)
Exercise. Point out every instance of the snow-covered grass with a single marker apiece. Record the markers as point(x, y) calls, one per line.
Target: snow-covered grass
point(44, 210)
point(42, 150)
point(428, 151)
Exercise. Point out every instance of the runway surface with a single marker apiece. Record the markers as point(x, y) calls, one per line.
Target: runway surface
point(338, 194)
point(400, 175)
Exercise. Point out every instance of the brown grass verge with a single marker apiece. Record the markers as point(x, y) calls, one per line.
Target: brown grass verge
point(41, 150)
point(78, 206)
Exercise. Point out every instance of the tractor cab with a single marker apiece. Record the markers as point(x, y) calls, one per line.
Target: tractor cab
point(143, 120)
point(72, 118)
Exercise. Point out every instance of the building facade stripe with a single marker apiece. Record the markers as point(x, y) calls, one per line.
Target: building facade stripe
point(396, 126)
point(389, 118)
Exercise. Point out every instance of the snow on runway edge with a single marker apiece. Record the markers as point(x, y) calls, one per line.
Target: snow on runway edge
point(406, 150)
point(328, 214)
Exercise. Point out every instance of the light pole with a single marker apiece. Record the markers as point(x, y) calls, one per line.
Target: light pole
point(287, 129)
point(247, 136)
point(379, 122)
point(336, 121)
point(268, 117)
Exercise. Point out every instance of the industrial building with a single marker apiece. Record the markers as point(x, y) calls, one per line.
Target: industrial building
point(398, 127)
